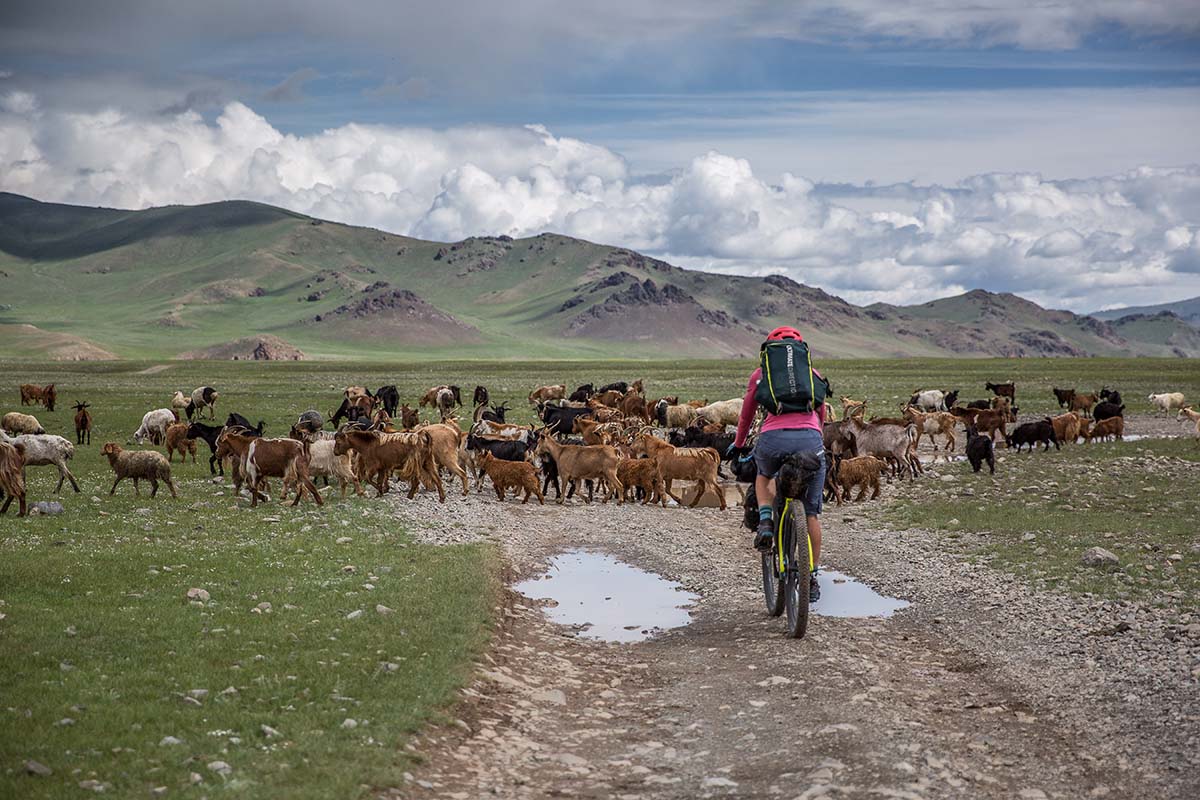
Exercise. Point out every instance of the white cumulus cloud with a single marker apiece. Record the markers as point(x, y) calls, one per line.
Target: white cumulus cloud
point(1082, 243)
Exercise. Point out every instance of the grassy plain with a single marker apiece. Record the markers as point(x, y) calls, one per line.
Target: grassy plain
point(96, 628)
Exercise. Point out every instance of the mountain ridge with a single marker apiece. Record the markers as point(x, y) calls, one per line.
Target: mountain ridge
point(164, 281)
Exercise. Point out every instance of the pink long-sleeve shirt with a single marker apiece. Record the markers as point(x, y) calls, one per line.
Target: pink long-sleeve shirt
point(814, 420)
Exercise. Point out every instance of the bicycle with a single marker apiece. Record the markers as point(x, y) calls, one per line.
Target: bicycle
point(786, 567)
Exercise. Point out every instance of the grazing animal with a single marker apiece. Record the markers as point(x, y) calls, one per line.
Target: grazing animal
point(238, 421)
point(698, 464)
point(1187, 414)
point(633, 405)
point(154, 426)
point(83, 423)
point(1111, 395)
point(1066, 427)
point(1107, 409)
point(507, 475)
point(544, 394)
point(140, 465)
point(354, 407)
point(481, 396)
point(578, 462)
point(1102, 430)
point(722, 412)
point(1063, 396)
point(642, 474)
point(323, 462)
point(176, 439)
point(16, 423)
point(1031, 433)
point(210, 434)
point(994, 420)
point(929, 400)
point(934, 423)
point(46, 450)
point(1167, 401)
point(410, 453)
point(979, 449)
point(388, 397)
point(1007, 389)
point(409, 417)
point(203, 397)
point(32, 395)
point(279, 458)
point(863, 473)
point(853, 408)
point(583, 393)
point(1084, 402)
point(673, 416)
point(12, 477)
point(310, 421)
point(179, 400)
point(446, 440)
point(839, 440)
point(894, 443)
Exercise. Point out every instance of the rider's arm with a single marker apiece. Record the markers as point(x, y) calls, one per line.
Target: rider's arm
point(749, 406)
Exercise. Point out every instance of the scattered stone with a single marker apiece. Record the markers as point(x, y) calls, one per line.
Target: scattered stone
point(350, 724)
point(1099, 557)
point(219, 767)
point(268, 731)
point(344, 540)
point(169, 741)
point(198, 595)
point(382, 609)
point(555, 696)
point(199, 694)
point(355, 614)
point(93, 785)
point(37, 768)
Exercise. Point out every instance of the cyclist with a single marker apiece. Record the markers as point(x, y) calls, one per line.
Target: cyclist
point(780, 436)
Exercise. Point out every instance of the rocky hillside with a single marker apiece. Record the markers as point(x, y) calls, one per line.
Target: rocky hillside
point(199, 280)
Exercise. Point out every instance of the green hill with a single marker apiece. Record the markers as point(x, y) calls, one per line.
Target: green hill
point(226, 277)
point(1187, 310)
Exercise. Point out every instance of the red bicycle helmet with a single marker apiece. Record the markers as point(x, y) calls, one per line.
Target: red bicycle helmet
point(784, 332)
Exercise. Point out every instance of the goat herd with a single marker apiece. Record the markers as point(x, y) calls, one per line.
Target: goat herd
point(613, 435)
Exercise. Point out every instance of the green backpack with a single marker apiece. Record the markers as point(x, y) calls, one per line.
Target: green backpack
point(788, 383)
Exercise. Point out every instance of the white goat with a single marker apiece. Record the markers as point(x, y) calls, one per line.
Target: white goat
point(45, 450)
point(1167, 401)
point(154, 426)
point(722, 412)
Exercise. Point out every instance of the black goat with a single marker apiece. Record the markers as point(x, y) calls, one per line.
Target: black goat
point(951, 398)
point(1107, 409)
point(582, 394)
point(562, 419)
point(481, 396)
point(979, 450)
point(1111, 395)
point(1063, 396)
point(619, 386)
point(238, 421)
point(209, 433)
point(1031, 433)
point(389, 398)
point(496, 413)
point(980, 404)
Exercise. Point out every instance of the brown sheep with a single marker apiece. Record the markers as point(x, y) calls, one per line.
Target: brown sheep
point(177, 440)
point(139, 465)
point(683, 463)
point(12, 477)
point(512, 474)
point(642, 473)
point(863, 472)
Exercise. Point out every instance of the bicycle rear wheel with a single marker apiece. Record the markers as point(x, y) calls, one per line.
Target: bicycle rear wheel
point(772, 584)
point(795, 595)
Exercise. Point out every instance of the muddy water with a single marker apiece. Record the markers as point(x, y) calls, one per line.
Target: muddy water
point(845, 596)
point(607, 599)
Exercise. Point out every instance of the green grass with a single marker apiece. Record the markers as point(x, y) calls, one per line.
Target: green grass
point(1041, 511)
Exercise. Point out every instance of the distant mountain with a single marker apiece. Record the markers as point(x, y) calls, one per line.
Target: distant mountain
point(1187, 310)
point(220, 279)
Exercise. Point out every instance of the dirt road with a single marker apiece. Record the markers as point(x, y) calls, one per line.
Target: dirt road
point(982, 688)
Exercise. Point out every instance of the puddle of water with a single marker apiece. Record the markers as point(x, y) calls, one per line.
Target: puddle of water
point(608, 599)
point(844, 596)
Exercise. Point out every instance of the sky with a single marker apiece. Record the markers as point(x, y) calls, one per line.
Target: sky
point(882, 150)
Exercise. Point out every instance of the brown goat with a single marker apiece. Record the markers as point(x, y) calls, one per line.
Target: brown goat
point(1066, 427)
point(863, 472)
point(447, 440)
point(633, 404)
point(1113, 426)
point(44, 396)
point(853, 408)
point(177, 440)
point(279, 458)
point(642, 473)
point(991, 421)
point(12, 477)
point(380, 453)
point(683, 463)
point(1084, 402)
point(580, 462)
point(83, 423)
point(512, 474)
point(409, 417)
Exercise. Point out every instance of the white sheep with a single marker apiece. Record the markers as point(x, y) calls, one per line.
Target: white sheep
point(722, 412)
point(154, 426)
point(45, 450)
point(15, 422)
point(1167, 401)
point(929, 400)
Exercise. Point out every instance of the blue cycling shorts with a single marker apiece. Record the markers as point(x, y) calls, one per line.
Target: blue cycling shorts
point(773, 447)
